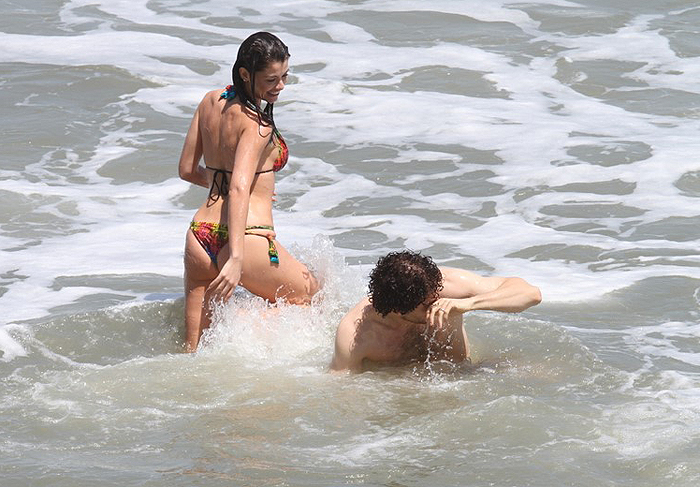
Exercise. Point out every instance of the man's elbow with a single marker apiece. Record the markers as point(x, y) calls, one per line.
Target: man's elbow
point(337, 367)
point(337, 370)
point(534, 296)
point(344, 363)
point(334, 367)
point(529, 295)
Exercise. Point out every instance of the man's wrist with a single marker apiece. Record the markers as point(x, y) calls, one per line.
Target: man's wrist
point(468, 305)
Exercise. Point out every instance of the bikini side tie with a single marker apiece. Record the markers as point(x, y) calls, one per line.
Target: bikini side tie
point(271, 249)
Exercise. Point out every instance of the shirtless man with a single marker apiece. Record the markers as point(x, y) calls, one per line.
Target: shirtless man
point(414, 312)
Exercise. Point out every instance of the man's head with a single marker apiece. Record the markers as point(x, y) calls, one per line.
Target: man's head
point(401, 281)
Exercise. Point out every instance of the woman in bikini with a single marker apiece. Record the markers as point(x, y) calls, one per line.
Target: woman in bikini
point(231, 239)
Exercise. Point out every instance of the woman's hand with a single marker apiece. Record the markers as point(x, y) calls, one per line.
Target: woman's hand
point(225, 283)
point(439, 312)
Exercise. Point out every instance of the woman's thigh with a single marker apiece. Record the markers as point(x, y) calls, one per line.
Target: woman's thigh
point(199, 272)
point(198, 265)
point(290, 279)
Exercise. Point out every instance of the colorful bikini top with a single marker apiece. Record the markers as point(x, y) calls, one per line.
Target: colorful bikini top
point(220, 180)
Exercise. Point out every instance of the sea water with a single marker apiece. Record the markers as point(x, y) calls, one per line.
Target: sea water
point(552, 140)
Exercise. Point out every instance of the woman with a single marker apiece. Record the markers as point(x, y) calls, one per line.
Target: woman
point(231, 239)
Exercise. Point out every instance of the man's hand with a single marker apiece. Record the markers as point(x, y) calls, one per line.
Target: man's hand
point(439, 312)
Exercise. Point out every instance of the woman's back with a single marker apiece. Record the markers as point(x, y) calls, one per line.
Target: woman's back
point(221, 123)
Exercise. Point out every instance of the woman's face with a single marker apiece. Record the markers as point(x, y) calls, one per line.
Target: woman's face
point(271, 80)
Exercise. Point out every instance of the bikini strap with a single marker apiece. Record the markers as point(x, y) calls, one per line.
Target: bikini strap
point(229, 92)
point(217, 169)
point(271, 249)
point(220, 183)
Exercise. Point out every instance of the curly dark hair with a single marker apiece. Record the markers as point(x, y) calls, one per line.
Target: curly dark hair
point(403, 280)
point(255, 54)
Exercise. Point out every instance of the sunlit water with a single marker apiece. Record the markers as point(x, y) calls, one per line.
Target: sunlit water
point(556, 141)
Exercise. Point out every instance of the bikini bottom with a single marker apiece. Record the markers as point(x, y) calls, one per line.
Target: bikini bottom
point(213, 236)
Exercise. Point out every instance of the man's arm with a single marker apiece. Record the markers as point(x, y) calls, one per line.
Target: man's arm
point(508, 294)
point(450, 339)
point(346, 356)
point(465, 291)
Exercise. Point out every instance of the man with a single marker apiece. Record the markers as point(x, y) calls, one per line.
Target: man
point(414, 312)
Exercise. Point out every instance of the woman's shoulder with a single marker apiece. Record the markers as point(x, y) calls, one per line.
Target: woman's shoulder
point(210, 99)
point(249, 120)
point(213, 95)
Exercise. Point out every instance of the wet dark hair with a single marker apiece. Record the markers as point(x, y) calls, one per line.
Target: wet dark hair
point(255, 54)
point(403, 280)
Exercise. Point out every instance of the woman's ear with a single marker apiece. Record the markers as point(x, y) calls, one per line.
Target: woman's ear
point(244, 74)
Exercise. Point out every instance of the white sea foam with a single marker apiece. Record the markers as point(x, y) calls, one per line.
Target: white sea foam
point(522, 130)
point(541, 109)
point(9, 347)
point(333, 105)
point(286, 335)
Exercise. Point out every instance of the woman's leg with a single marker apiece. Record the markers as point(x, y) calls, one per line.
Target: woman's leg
point(199, 272)
point(290, 279)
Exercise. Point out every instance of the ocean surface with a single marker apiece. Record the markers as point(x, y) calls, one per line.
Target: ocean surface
point(553, 140)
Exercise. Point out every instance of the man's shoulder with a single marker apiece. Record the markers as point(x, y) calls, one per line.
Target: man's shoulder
point(356, 315)
point(359, 323)
point(458, 283)
point(347, 354)
point(454, 271)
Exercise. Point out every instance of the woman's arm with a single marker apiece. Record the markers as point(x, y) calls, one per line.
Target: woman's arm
point(248, 152)
point(188, 167)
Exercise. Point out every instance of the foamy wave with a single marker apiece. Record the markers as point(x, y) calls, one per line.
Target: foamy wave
point(250, 330)
point(9, 347)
